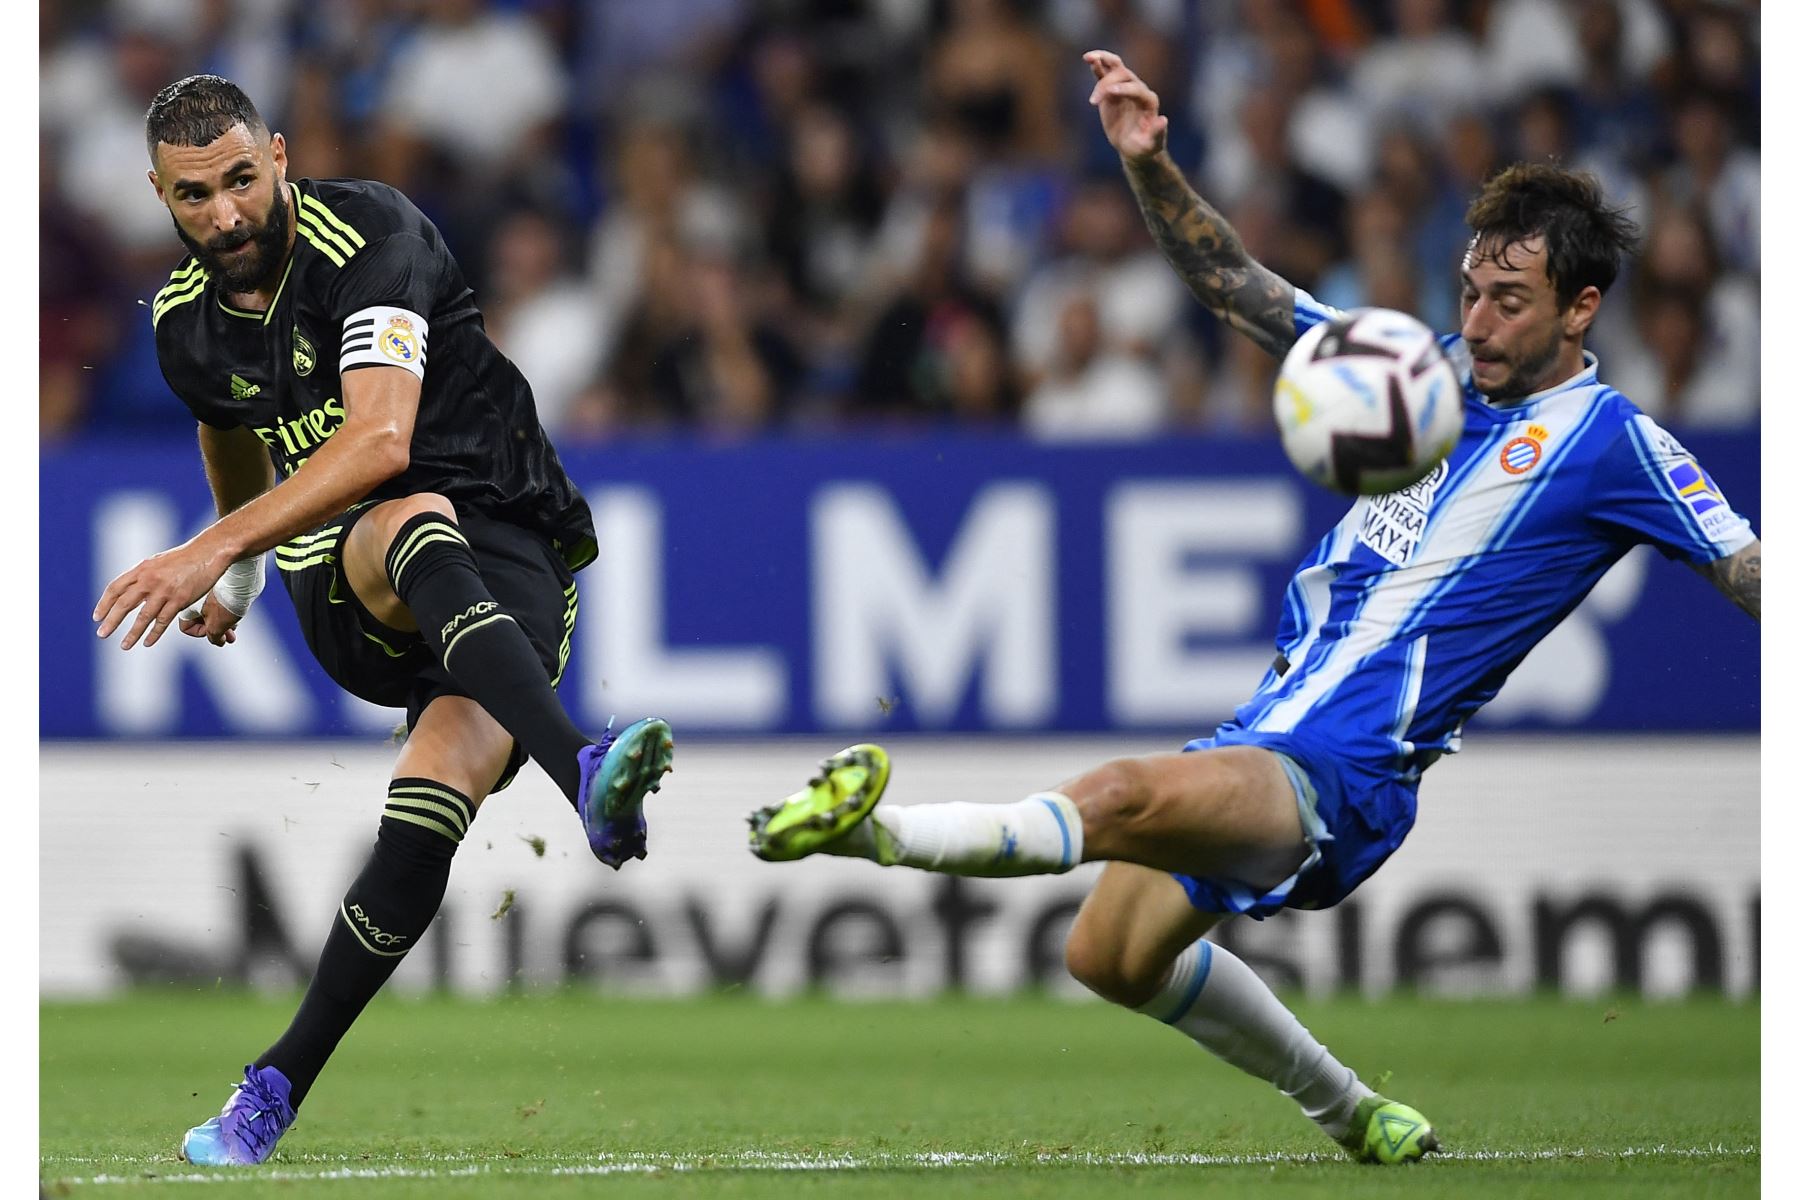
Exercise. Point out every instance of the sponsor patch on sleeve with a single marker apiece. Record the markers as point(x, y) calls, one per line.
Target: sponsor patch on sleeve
point(1702, 496)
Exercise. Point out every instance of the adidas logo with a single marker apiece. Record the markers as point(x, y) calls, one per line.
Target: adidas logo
point(243, 389)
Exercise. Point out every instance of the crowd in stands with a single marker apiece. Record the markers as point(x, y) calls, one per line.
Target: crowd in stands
point(737, 216)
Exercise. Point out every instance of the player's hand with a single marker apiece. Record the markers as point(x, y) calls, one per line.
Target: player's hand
point(1128, 109)
point(161, 586)
point(212, 621)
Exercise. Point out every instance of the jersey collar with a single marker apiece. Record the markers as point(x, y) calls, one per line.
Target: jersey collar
point(1586, 377)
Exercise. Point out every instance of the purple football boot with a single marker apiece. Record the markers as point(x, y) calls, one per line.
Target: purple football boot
point(616, 775)
point(247, 1128)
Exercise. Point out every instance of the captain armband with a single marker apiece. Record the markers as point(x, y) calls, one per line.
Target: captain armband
point(383, 336)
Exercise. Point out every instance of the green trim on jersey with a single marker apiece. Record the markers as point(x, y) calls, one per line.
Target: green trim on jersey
point(185, 283)
point(279, 288)
point(327, 232)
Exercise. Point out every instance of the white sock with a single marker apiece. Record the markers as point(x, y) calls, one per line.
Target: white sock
point(1217, 1000)
point(1040, 835)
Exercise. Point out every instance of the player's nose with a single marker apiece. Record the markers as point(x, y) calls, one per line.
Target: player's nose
point(225, 215)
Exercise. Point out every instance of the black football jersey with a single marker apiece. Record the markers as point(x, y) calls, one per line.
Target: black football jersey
point(370, 282)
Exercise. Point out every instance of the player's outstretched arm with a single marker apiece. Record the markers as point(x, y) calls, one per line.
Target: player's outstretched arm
point(372, 446)
point(1740, 577)
point(1198, 242)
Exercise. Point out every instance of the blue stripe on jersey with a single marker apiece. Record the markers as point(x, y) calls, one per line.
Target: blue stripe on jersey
point(1540, 482)
point(1661, 482)
point(1459, 477)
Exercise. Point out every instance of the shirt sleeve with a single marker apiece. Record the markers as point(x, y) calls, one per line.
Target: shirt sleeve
point(1309, 312)
point(1648, 488)
point(381, 302)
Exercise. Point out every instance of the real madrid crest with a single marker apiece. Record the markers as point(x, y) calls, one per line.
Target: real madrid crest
point(398, 341)
point(304, 356)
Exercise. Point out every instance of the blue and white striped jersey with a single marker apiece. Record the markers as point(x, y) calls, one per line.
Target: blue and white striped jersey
point(1409, 615)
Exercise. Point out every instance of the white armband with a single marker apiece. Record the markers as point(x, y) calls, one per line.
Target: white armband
point(384, 336)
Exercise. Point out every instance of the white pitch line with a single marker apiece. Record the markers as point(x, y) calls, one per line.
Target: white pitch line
point(644, 1164)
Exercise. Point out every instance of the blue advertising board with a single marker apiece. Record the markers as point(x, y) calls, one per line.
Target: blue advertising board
point(883, 583)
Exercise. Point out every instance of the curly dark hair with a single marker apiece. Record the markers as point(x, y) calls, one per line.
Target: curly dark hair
point(1586, 240)
point(197, 111)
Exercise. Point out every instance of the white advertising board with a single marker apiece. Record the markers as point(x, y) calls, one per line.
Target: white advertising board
point(1571, 864)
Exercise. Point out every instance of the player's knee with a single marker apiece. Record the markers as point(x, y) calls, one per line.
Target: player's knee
point(420, 504)
point(1115, 796)
point(1100, 964)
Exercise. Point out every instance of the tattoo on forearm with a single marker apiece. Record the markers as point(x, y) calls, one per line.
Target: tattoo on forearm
point(1741, 578)
point(1210, 257)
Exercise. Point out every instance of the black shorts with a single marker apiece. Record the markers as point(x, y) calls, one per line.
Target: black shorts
point(396, 669)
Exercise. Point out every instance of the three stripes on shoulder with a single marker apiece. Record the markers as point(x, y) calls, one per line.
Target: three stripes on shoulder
point(329, 234)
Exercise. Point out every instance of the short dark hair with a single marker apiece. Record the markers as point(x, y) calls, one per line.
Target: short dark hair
point(197, 111)
point(1586, 240)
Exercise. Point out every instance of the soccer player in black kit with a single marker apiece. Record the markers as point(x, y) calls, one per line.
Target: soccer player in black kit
point(355, 418)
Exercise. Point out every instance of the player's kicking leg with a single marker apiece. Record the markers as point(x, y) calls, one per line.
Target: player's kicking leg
point(1227, 813)
point(412, 566)
point(451, 759)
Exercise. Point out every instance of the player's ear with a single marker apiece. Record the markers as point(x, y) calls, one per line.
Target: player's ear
point(1581, 311)
point(278, 155)
point(156, 183)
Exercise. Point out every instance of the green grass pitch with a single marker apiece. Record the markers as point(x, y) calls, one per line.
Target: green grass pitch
point(562, 1094)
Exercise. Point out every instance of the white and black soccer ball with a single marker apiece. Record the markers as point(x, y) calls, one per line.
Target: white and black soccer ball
point(1368, 403)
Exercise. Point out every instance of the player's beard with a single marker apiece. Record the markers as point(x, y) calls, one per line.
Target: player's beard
point(1528, 372)
point(252, 270)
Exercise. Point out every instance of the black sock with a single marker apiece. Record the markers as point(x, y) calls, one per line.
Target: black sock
point(483, 648)
point(383, 915)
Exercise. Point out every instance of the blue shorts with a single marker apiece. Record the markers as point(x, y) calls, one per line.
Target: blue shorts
point(1353, 816)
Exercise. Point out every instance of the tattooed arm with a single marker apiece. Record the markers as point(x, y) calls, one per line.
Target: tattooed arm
point(1740, 577)
point(1204, 249)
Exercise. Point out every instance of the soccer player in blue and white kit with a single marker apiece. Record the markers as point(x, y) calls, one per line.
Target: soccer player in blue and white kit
point(1403, 622)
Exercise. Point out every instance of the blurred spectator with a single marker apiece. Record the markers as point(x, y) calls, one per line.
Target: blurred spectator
point(1531, 44)
point(1312, 207)
point(542, 317)
point(1614, 107)
point(348, 52)
point(1090, 391)
point(1379, 271)
point(995, 74)
point(92, 96)
point(1717, 56)
point(1329, 130)
point(1692, 354)
point(623, 43)
point(929, 352)
point(478, 85)
point(692, 353)
point(1108, 259)
point(78, 305)
point(1426, 71)
point(655, 194)
point(826, 208)
point(818, 211)
point(1720, 177)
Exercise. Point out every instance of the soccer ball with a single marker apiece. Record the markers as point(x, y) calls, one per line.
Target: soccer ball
point(1368, 403)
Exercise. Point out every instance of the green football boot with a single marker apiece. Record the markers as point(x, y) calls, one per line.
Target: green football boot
point(1385, 1132)
point(844, 792)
